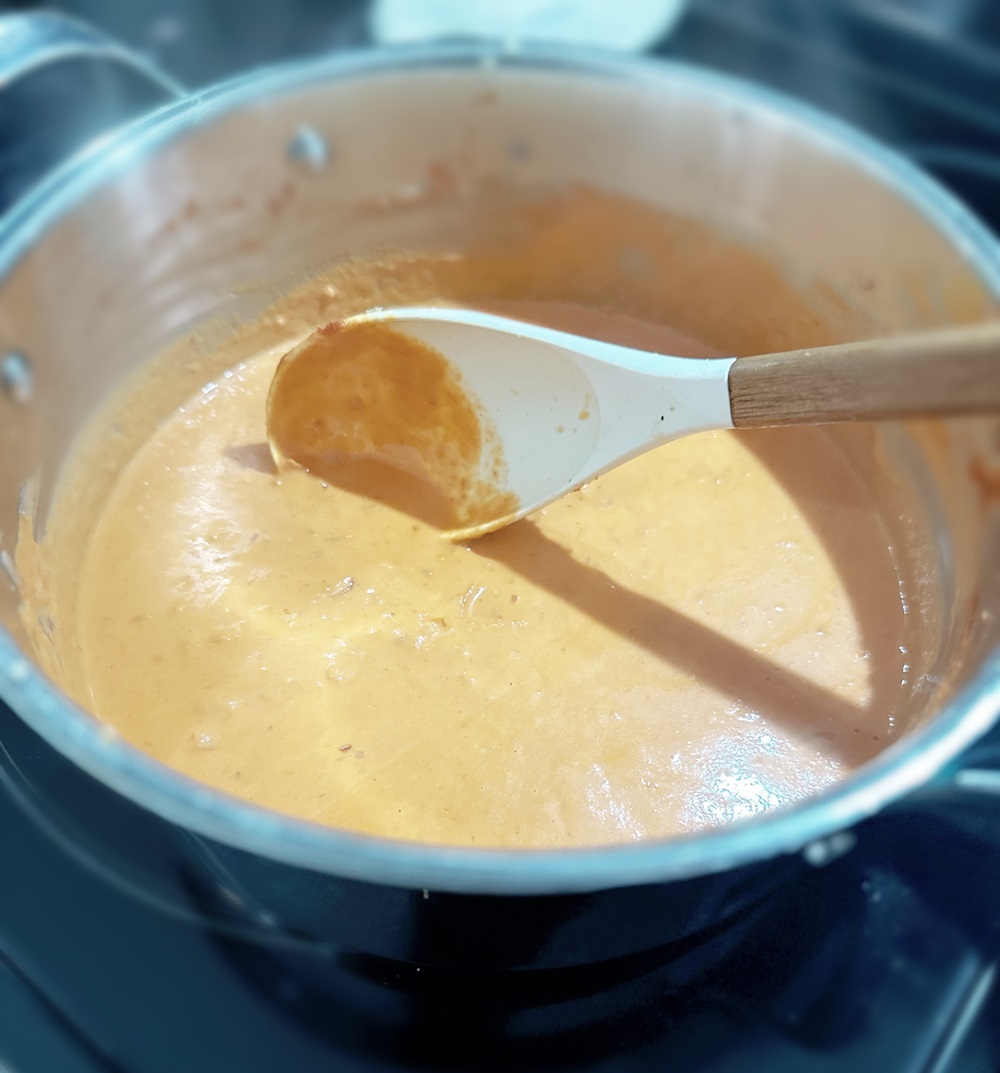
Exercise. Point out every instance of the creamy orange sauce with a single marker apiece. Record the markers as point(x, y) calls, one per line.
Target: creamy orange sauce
point(711, 631)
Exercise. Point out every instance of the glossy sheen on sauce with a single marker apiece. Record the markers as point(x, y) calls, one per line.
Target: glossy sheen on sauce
point(711, 631)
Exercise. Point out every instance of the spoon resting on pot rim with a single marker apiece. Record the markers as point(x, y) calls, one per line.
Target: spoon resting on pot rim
point(472, 421)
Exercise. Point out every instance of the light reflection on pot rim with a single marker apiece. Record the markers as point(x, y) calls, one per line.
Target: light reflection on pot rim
point(914, 761)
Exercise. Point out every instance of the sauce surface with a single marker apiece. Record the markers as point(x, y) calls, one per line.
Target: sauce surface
point(711, 631)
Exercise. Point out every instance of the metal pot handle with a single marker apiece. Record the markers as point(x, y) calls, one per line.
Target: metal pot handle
point(956, 812)
point(39, 126)
point(970, 785)
point(29, 42)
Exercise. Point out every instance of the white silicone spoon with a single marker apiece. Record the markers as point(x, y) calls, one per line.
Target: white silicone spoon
point(562, 409)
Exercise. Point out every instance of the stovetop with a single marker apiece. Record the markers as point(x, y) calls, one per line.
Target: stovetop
point(882, 961)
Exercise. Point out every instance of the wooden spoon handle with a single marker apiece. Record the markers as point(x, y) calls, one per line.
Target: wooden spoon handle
point(955, 371)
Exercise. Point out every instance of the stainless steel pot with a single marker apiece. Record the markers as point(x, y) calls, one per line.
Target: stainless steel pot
point(170, 223)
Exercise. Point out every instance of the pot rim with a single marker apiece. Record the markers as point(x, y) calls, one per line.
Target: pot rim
point(921, 756)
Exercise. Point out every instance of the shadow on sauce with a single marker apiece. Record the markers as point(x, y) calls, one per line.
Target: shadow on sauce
point(713, 658)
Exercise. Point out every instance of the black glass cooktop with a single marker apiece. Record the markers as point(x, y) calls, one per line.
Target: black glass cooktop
point(882, 961)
